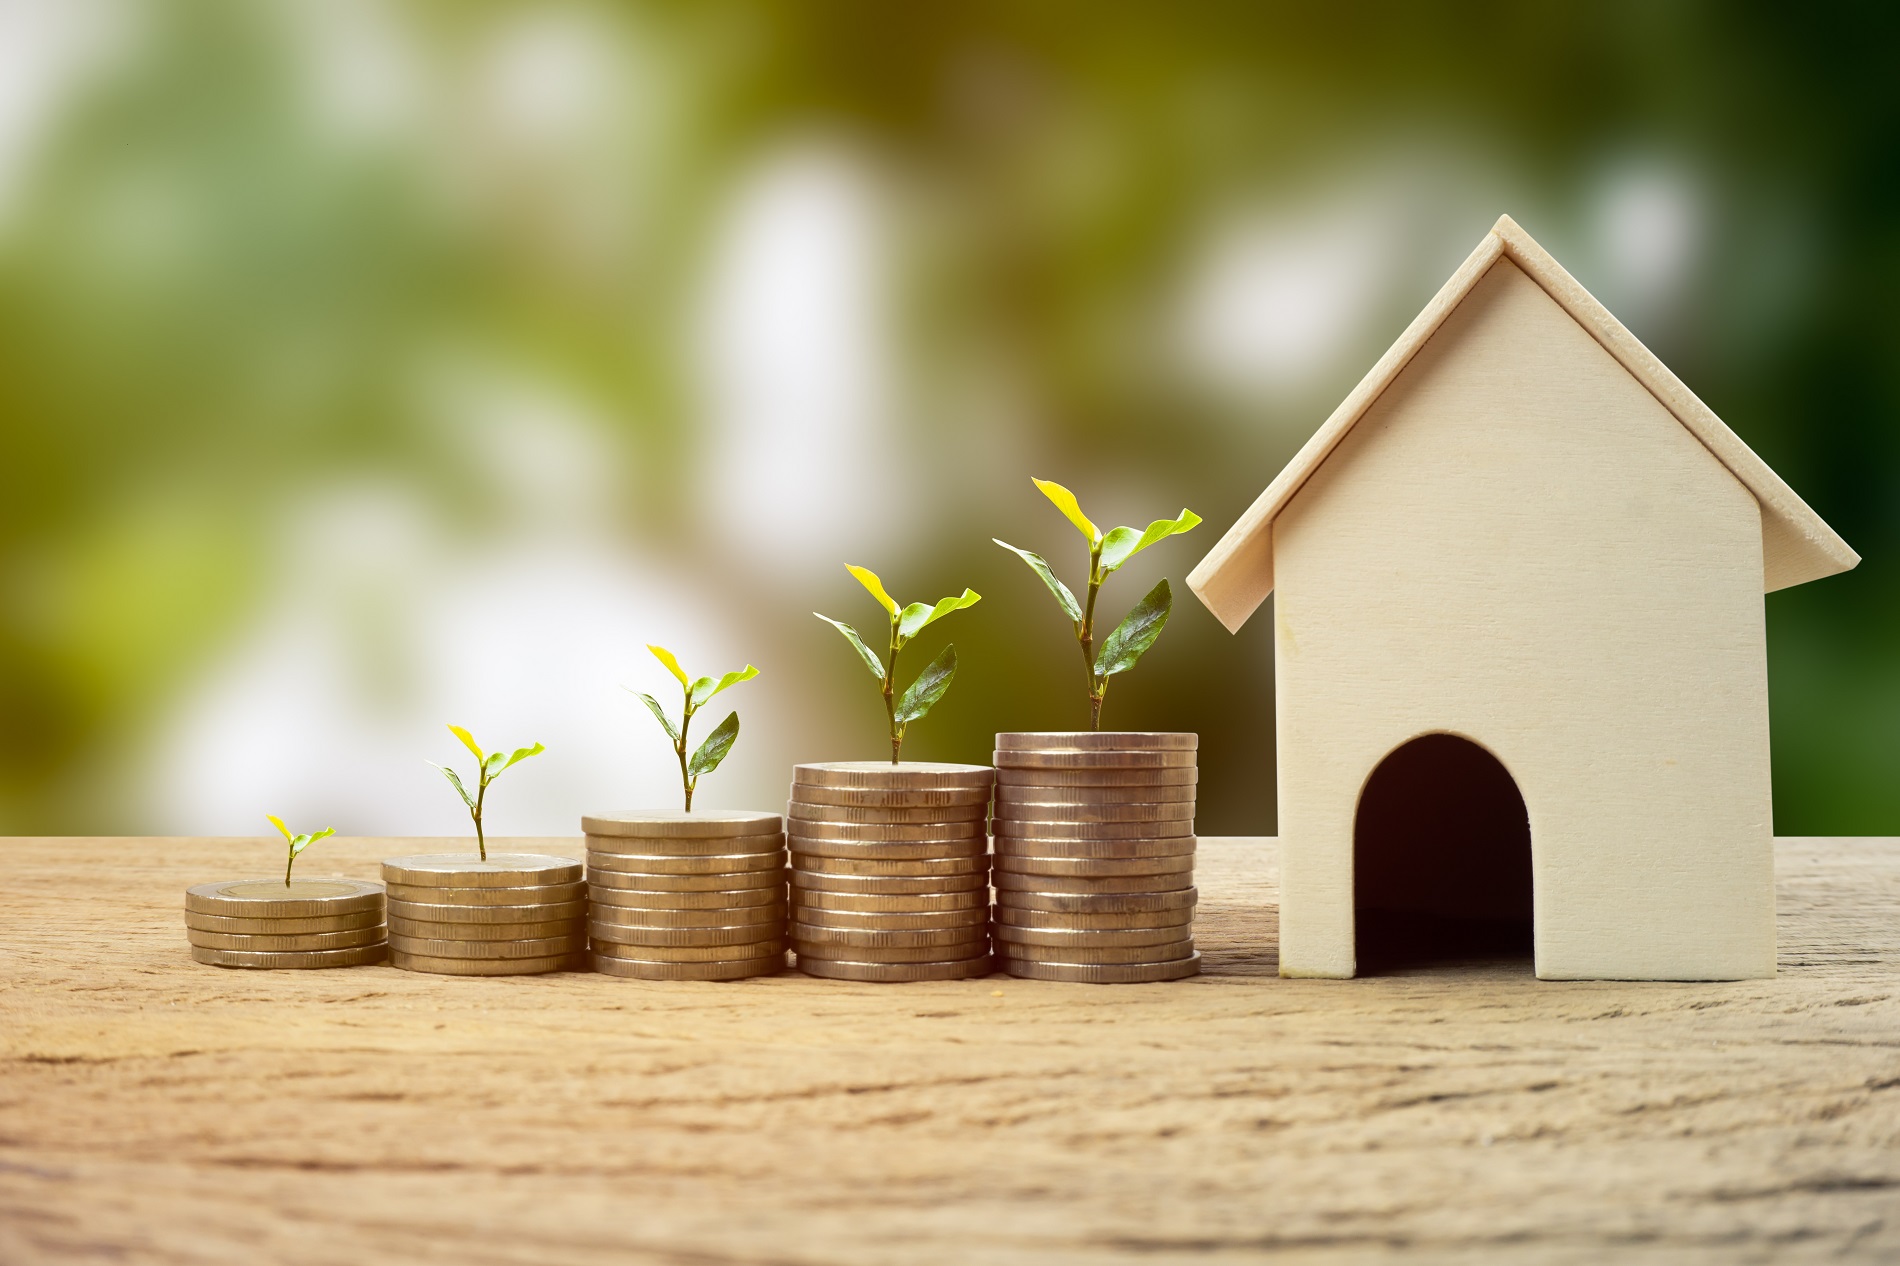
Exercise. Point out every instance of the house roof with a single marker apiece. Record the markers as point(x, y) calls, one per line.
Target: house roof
point(1797, 546)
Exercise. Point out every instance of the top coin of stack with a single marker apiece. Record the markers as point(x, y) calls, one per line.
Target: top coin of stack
point(890, 871)
point(686, 895)
point(515, 914)
point(1095, 856)
point(268, 923)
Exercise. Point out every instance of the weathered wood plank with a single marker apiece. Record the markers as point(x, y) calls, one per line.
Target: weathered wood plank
point(152, 1110)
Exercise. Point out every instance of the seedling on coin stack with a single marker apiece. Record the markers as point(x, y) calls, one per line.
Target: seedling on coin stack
point(1108, 551)
point(302, 923)
point(487, 768)
point(1094, 831)
point(905, 623)
point(697, 693)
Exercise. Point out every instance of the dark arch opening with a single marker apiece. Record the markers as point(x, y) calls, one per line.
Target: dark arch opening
point(1441, 860)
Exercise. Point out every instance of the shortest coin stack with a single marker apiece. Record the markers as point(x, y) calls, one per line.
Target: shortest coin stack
point(688, 895)
point(516, 914)
point(268, 923)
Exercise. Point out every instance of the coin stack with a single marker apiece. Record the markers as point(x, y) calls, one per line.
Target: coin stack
point(1095, 856)
point(890, 871)
point(515, 914)
point(686, 896)
point(268, 923)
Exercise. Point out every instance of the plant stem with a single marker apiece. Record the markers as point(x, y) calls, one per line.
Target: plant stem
point(890, 694)
point(287, 861)
point(1097, 687)
point(481, 790)
point(686, 720)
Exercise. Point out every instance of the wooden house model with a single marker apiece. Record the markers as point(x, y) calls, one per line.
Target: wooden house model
point(1519, 654)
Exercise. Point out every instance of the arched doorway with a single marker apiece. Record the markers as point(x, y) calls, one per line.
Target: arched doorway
point(1441, 859)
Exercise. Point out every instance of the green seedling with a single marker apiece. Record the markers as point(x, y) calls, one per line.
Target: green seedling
point(487, 768)
point(1107, 552)
point(698, 691)
point(298, 843)
point(906, 623)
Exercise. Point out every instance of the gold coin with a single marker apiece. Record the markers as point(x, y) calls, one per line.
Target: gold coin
point(283, 927)
point(684, 846)
point(885, 815)
point(892, 903)
point(1097, 741)
point(649, 864)
point(1105, 973)
point(1164, 953)
point(875, 921)
point(810, 950)
point(1098, 867)
point(436, 912)
point(1170, 777)
point(1046, 846)
point(914, 775)
point(678, 824)
point(893, 797)
point(1098, 902)
point(892, 885)
point(1097, 938)
point(647, 969)
point(1016, 796)
point(1010, 881)
point(749, 916)
point(291, 941)
point(537, 895)
point(813, 935)
point(1095, 760)
point(485, 966)
point(896, 973)
point(467, 870)
point(889, 832)
point(601, 880)
point(538, 947)
point(1015, 829)
point(1094, 922)
point(1099, 815)
point(298, 960)
point(620, 934)
point(748, 952)
point(416, 928)
point(903, 850)
point(742, 899)
point(272, 899)
point(910, 867)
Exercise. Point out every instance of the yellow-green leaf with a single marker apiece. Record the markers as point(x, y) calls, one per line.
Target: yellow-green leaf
point(672, 665)
point(1065, 501)
point(468, 741)
point(279, 824)
point(869, 580)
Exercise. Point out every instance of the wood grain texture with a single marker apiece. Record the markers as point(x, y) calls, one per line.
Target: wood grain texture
point(154, 1111)
point(1519, 545)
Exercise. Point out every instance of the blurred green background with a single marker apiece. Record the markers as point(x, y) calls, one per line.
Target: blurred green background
point(369, 365)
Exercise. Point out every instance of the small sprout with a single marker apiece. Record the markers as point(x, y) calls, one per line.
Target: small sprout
point(487, 768)
point(906, 623)
point(1107, 552)
point(298, 843)
point(697, 692)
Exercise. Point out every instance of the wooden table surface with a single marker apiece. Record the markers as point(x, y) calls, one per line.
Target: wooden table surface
point(153, 1110)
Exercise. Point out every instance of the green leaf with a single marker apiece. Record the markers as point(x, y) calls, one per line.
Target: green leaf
point(1136, 633)
point(705, 688)
point(869, 580)
point(851, 636)
point(496, 762)
point(279, 824)
point(522, 753)
point(1124, 542)
point(455, 780)
point(699, 691)
point(298, 845)
point(714, 749)
point(468, 740)
point(929, 687)
point(659, 713)
point(666, 657)
point(1070, 607)
point(1065, 501)
point(917, 617)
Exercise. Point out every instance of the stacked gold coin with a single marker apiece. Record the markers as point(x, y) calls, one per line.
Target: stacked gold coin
point(890, 871)
point(515, 914)
point(686, 896)
point(268, 923)
point(1095, 856)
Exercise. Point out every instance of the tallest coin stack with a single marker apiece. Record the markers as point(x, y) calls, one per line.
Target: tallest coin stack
point(1095, 856)
point(891, 871)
